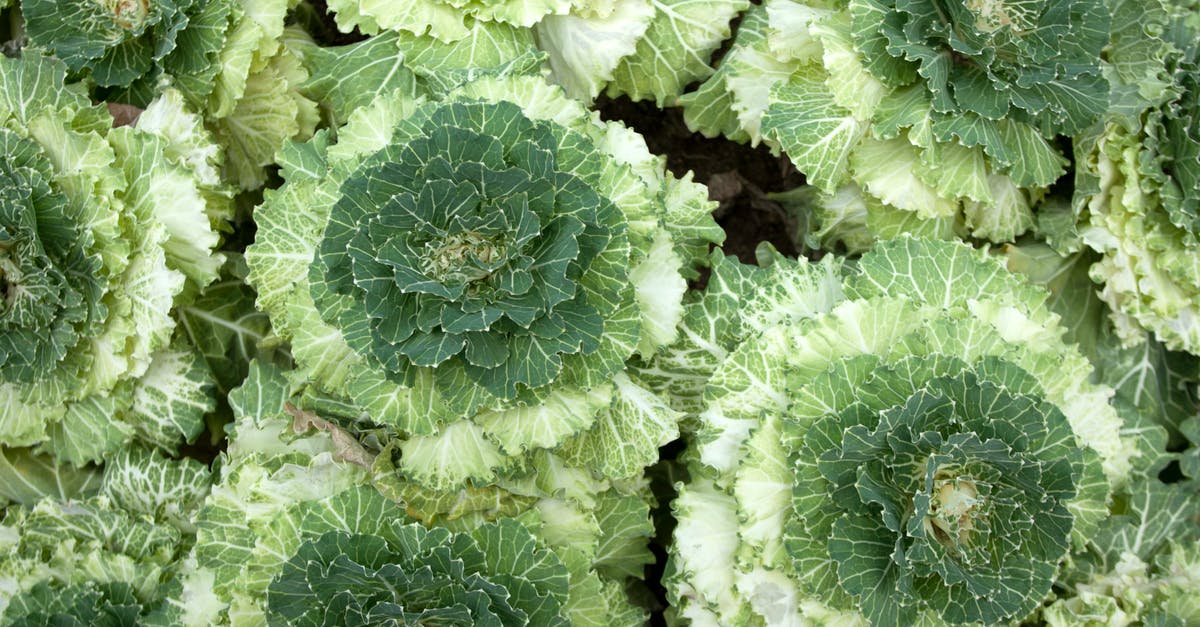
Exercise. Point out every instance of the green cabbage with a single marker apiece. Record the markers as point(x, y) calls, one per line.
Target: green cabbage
point(472, 274)
point(1137, 196)
point(905, 440)
point(299, 498)
point(102, 232)
point(929, 118)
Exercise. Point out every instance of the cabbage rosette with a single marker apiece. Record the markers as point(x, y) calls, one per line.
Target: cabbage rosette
point(227, 57)
point(116, 44)
point(1139, 567)
point(472, 275)
point(406, 573)
point(930, 118)
point(84, 547)
point(102, 231)
point(1137, 193)
point(302, 527)
point(903, 441)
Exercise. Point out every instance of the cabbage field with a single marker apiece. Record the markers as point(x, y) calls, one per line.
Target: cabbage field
point(599, 312)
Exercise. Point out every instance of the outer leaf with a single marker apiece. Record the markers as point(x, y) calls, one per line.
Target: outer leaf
point(29, 478)
point(675, 49)
point(585, 51)
point(816, 133)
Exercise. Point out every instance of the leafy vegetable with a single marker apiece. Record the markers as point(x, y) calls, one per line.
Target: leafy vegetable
point(227, 58)
point(104, 230)
point(902, 441)
point(981, 61)
point(114, 556)
point(1138, 184)
point(116, 43)
point(409, 574)
point(481, 268)
point(926, 118)
point(357, 312)
point(295, 487)
point(642, 48)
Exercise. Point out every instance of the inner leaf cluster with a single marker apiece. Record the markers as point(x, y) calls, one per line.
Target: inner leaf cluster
point(469, 247)
point(1037, 61)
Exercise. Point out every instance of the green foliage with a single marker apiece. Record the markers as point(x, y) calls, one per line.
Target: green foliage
point(494, 575)
point(226, 328)
point(927, 118)
point(968, 476)
point(115, 42)
point(1037, 62)
point(481, 269)
point(460, 313)
point(124, 48)
point(103, 231)
point(103, 605)
point(294, 486)
point(467, 244)
point(1137, 189)
point(108, 559)
point(905, 440)
point(27, 477)
point(449, 21)
point(50, 283)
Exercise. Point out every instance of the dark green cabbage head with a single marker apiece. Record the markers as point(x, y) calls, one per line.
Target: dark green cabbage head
point(1036, 61)
point(473, 273)
point(126, 44)
point(472, 244)
point(49, 289)
point(409, 575)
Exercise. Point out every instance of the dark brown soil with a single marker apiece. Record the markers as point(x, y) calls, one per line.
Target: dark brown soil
point(738, 177)
point(318, 20)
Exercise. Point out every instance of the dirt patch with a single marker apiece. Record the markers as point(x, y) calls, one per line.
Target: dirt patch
point(738, 177)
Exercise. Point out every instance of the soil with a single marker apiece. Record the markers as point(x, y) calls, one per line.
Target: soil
point(738, 177)
point(318, 21)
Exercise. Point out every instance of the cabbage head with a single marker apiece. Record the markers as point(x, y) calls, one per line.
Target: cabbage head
point(907, 440)
point(305, 526)
point(1137, 194)
point(930, 118)
point(471, 274)
point(103, 231)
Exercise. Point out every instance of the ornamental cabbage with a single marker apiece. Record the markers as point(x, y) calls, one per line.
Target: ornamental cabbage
point(1137, 196)
point(102, 231)
point(226, 57)
point(118, 43)
point(404, 573)
point(915, 117)
point(472, 273)
point(1140, 565)
point(345, 78)
point(109, 548)
point(301, 501)
point(904, 440)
